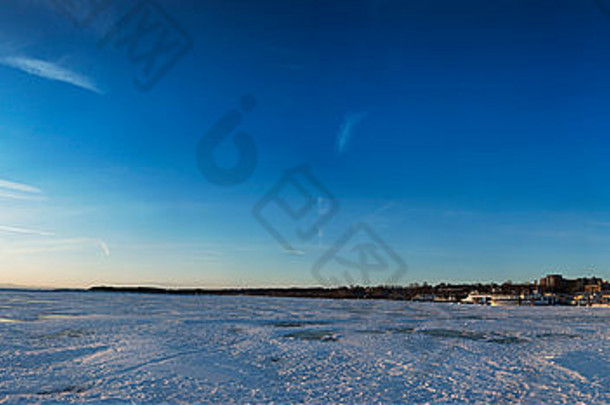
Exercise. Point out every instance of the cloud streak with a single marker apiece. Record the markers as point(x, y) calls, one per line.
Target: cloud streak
point(347, 128)
point(19, 191)
point(50, 71)
point(24, 231)
point(294, 252)
point(19, 187)
point(52, 242)
point(56, 245)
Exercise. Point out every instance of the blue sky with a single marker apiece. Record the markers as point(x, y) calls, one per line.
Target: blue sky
point(471, 137)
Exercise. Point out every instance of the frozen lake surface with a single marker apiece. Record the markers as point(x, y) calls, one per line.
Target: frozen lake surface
point(111, 347)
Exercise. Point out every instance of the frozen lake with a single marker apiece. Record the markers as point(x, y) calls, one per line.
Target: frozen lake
point(110, 347)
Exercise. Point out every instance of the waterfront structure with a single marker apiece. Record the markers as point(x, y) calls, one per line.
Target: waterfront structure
point(553, 289)
point(476, 298)
point(505, 300)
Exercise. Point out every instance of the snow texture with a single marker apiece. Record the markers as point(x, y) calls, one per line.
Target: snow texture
point(140, 348)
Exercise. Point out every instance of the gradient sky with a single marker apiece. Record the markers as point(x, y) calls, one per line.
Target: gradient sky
point(471, 136)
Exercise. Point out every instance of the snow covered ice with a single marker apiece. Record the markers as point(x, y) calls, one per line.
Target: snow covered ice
point(145, 348)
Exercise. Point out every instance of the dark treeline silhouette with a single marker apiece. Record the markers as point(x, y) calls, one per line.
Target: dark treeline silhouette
point(553, 284)
point(443, 291)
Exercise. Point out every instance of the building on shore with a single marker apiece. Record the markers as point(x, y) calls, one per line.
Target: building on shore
point(557, 284)
point(553, 289)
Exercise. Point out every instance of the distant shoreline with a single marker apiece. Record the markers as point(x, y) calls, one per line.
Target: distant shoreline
point(567, 292)
point(552, 290)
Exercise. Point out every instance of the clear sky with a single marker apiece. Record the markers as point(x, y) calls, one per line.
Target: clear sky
point(471, 137)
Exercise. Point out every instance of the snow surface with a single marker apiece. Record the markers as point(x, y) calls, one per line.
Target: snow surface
point(110, 347)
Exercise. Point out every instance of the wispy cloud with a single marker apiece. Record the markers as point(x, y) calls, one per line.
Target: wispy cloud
point(50, 241)
point(19, 187)
point(50, 71)
point(104, 246)
point(19, 191)
point(55, 245)
point(347, 128)
point(294, 252)
point(24, 231)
